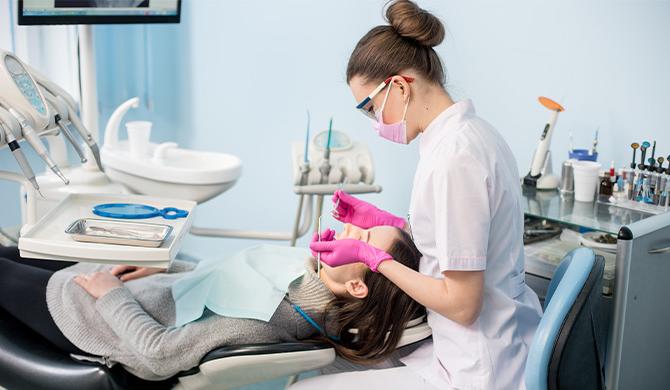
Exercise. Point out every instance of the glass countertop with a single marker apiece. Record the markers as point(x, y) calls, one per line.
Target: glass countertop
point(596, 216)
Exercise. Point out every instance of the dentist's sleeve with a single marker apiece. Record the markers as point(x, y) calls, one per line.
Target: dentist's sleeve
point(462, 213)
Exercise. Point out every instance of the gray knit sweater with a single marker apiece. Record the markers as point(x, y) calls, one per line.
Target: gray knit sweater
point(133, 324)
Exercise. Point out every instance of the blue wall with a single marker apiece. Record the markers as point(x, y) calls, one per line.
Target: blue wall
point(237, 77)
point(253, 67)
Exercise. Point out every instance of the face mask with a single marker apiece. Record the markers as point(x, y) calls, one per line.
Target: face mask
point(395, 132)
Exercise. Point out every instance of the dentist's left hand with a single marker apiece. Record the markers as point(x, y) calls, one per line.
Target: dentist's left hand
point(130, 272)
point(98, 283)
point(327, 235)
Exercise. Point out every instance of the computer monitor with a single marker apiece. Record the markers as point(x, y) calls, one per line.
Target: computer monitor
point(32, 12)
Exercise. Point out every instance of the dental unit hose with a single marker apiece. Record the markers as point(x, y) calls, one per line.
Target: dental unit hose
point(34, 140)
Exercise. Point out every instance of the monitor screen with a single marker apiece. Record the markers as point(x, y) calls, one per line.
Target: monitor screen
point(33, 12)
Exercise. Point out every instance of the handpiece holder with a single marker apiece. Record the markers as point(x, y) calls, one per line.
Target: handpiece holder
point(31, 214)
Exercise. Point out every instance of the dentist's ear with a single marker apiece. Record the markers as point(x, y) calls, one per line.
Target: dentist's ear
point(356, 288)
point(403, 85)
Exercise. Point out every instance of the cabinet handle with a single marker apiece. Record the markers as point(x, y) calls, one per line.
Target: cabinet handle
point(659, 250)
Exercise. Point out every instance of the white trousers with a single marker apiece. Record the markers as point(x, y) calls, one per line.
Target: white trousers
point(399, 378)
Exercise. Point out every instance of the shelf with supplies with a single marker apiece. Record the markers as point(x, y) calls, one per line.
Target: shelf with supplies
point(602, 217)
point(634, 310)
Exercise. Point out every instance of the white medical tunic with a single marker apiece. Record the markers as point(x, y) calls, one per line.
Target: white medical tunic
point(465, 215)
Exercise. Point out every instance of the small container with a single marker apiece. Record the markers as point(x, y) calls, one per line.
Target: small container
point(583, 155)
point(103, 231)
point(567, 178)
point(586, 180)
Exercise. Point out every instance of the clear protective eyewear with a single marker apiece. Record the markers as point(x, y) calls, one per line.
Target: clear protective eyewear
point(365, 106)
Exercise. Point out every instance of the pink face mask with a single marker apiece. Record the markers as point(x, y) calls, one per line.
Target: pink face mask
point(394, 132)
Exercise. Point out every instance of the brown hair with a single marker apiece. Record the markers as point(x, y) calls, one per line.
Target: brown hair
point(381, 317)
point(406, 43)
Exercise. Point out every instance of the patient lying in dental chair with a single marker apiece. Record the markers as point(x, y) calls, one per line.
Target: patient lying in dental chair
point(126, 314)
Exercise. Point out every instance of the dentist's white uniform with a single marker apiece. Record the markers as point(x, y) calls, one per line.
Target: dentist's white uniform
point(465, 215)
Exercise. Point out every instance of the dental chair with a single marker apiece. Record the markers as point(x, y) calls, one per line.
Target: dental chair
point(29, 362)
point(568, 349)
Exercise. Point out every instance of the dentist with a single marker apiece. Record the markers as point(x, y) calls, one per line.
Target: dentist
point(465, 217)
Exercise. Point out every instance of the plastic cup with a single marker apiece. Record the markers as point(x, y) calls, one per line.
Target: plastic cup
point(586, 180)
point(139, 133)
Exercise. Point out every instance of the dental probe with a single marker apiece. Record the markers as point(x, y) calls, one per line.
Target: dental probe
point(318, 254)
point(20, 158)
point(34, 140)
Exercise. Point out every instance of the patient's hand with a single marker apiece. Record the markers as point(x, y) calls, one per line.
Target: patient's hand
point(130, 272)
point(98, 283)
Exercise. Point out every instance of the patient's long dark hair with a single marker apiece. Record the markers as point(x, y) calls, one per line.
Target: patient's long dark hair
point(381, 317)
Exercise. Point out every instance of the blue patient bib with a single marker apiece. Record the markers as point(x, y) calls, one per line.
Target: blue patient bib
point(250, 284)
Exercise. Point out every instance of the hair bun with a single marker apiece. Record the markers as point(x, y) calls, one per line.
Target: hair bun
point(411, 21)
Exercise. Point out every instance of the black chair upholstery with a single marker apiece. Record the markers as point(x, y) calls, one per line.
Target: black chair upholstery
point(578, 358)
point(28, 361)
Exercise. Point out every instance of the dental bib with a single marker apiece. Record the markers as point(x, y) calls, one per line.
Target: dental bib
point(250, 284)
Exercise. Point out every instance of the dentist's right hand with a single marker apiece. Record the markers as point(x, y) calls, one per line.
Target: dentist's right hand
point(347, 251)
point(362, 214)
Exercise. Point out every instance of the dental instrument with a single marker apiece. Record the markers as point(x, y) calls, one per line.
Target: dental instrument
point(540, 175)
point(69, 107)
point(572, 147)
point(20, 157)
point(103, 231)
point(643, 151)
point(334, 213)
point(325, 165)
point(34, 140)
point(318, 254)
point(592, 151)
point(68, 135)
point(59, 108)
point(653, 150)
point(305, 167)
point(634, 146)
point(87, 137)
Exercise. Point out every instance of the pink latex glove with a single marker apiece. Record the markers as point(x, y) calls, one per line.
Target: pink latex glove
point(347, 251)
point(327, 235)
point(349, 209)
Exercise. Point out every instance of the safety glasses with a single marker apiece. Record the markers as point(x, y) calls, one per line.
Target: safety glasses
point(366, 106)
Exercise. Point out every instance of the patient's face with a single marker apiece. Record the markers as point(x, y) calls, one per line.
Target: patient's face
point(381, 237)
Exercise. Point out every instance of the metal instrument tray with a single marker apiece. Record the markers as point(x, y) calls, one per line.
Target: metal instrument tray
point(104, 231)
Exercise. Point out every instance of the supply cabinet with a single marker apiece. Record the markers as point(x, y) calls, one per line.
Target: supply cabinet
point(635, 288)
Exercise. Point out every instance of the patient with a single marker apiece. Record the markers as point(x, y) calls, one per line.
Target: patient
point(127, 314)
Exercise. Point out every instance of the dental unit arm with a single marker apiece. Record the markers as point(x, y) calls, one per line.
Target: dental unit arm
point(69, 113)
point(23, 99)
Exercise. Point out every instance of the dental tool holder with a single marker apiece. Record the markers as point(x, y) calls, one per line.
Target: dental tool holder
point(351, 165)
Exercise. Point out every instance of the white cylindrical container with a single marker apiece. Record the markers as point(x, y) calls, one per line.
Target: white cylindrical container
point(586, 180)
point(139, 133)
